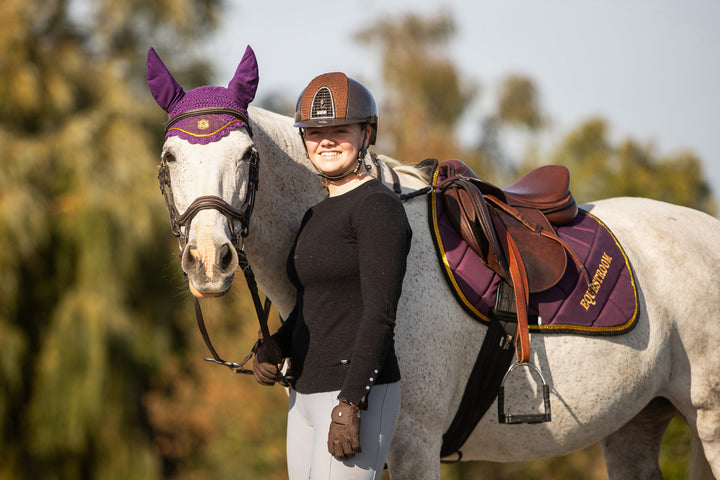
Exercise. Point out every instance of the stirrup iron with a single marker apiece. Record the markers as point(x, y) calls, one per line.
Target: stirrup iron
point(515, 418)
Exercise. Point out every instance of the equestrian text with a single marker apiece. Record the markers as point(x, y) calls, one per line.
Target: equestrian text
point(593, 289)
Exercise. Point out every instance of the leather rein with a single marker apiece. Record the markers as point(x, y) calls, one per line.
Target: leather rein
point(179, 225)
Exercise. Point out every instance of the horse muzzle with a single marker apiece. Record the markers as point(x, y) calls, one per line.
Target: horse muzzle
point(209, 266)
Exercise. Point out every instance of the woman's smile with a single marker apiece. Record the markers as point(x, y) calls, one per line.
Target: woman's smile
point(334, 149)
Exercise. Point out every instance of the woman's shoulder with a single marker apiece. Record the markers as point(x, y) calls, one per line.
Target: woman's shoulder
point(380, 205)
point(374, 193)
point(375, 187)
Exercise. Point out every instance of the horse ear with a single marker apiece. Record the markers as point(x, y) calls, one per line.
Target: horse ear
point(163, 87)
point(245, 81)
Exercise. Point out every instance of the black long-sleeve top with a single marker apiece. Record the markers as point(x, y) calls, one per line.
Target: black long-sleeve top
point(348, 264)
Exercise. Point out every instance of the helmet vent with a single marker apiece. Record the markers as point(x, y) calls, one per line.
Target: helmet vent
point(322, 104)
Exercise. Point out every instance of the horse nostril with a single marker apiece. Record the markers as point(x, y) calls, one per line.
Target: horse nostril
point(226, 257)
point(190, 258)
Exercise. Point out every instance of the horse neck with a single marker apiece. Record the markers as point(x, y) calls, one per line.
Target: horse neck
point(288, 186)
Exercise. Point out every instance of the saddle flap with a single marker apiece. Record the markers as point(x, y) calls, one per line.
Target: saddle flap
point(484, 227)
point(544, 258)
point(469, 214)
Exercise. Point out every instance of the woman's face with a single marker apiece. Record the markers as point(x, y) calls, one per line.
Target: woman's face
point(334, 149)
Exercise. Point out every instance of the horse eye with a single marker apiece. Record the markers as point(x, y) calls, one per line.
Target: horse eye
point(248, 155)
point(168, 157)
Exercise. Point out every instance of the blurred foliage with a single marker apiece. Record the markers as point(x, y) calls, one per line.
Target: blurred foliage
point(100, 370)
point(94, 330)
point(518, 102)
point(601, 169)
point(426, 95)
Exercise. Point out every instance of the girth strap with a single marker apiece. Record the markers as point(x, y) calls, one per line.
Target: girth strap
point(493, 360)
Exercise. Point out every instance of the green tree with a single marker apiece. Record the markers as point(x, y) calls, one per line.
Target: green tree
point(84, 329)
point(426, 96)
point(601, 169)
point(519, 103)
point(517, 111)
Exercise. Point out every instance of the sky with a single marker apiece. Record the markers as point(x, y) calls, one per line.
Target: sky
point(651, 68)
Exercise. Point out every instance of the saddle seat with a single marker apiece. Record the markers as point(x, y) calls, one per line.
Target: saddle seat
point(546, 188)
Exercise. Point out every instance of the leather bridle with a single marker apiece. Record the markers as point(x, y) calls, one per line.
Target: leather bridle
point(211, 202)
point(180, 224)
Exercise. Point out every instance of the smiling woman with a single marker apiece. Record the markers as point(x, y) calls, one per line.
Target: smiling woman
point(347, 263)
point(338, 120)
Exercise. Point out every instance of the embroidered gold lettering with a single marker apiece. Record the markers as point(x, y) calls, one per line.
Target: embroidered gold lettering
point(588, 299)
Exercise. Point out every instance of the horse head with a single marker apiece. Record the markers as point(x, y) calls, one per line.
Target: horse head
point(208, 170)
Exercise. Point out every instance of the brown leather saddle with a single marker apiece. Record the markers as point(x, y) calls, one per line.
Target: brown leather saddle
point(511, 229)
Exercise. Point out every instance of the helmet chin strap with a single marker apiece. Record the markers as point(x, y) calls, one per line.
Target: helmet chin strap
point(351, 171)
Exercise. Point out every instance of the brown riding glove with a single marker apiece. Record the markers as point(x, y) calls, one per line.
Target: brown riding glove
point(344, 435)
point(266, 363)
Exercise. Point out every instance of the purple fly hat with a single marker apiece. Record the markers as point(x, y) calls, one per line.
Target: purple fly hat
point(203, 128)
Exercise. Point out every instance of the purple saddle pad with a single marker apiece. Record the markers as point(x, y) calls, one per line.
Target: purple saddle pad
point(609, 306)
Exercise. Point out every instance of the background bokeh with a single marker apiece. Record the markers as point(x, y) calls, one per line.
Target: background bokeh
point(101, 371)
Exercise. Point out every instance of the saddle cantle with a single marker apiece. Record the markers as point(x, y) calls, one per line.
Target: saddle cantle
point(511, 229)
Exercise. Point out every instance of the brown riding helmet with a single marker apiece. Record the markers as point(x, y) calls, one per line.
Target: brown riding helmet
point(336, 99)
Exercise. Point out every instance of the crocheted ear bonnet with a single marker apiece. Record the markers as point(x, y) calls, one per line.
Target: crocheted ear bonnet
point(203, 128)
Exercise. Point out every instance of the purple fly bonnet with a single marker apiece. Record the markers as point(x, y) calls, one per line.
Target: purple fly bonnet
point(203, 128)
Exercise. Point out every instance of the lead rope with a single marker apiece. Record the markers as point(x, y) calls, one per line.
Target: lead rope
point(261, 312)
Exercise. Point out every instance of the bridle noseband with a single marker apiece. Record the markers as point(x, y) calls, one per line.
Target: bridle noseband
point(181, 223)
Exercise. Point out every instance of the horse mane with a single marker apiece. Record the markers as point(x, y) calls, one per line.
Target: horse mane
point(405, 170)
point(277, 127)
